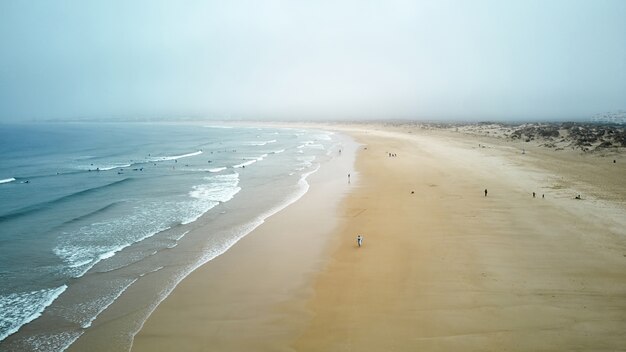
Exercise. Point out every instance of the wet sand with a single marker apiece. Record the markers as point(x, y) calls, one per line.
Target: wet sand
point(442, 267)
point(253, 297)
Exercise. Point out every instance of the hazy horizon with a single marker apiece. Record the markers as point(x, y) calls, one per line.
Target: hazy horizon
point(279, 60)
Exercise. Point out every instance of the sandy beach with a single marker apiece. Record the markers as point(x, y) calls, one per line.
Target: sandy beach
point(442, 267)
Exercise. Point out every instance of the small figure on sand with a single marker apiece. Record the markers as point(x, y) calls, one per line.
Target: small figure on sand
point(533, 194)
point(543, 195)
point(577, 197)
point(348, 178)
point(359, 240)
point(485, 192)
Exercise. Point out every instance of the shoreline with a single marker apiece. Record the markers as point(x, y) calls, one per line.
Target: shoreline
point(249, 271)
point(445, 267)
point(144, 283)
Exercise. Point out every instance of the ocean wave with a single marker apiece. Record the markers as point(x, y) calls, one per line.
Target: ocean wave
point(221, 188)
point(260, 143)
point(7, 180)
point(93, 213)
point(244, 164)
point(305, 162)
point(81, 258)
point(83, 248)
point(17, 309)
point(29, 210)
point(175, 157)
point(152, 271)
point(250, 161)
point(104, 167)
point(104, 303)
point(278, 151)
point(257, 158)
point(179, 237)
point(316, 146)
point(306, 143)
point(52, 341)
point(212, 170)
point(176, 239)
point(324, 136)
point(312, 145)
point(116, 166)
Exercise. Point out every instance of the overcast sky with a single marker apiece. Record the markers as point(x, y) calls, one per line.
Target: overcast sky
point(473, 60)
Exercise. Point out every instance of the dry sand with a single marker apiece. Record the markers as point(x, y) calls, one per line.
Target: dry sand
point(442, 266)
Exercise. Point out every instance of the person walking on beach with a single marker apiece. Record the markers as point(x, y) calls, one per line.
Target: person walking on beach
point(485, 192)
point(348, 178)
point(533, 194)
point(359, 240)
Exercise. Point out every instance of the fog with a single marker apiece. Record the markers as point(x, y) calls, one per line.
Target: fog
point(306, 60)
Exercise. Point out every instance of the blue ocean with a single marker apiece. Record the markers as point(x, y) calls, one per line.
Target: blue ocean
point(88, 209)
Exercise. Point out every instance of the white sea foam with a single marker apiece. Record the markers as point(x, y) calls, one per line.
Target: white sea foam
point(81, 258)
point(117, 166)
point(213, 170)
point(152, 271)
point(104, 167)
point(99, 307)
point(312, 145)
point(52, 341)
point(175, 157)
point(221, 188)
point(278, 151)
point(7, 180)
point(84, 248)
point(323, 137)
point(305, 162)
point(260, 143)
point(222, 191)
point(249, 162)
point(258, 158)
point(178, 238)
point(17, 309)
